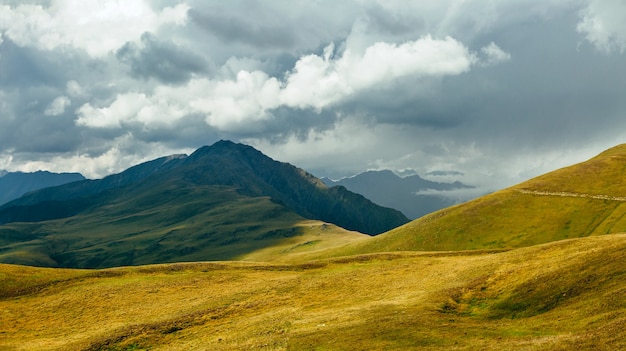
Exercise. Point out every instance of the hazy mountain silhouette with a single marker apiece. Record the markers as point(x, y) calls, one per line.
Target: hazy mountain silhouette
point(402, 193)
point(16, 184)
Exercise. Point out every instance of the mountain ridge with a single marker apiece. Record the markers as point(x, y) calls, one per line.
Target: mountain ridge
point(386, 188)
point(15, 184)
point(221, 202)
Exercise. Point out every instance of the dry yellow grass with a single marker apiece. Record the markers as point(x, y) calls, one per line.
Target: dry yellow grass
point(559, 296)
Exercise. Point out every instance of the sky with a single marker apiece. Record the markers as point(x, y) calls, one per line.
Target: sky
point(487, 92)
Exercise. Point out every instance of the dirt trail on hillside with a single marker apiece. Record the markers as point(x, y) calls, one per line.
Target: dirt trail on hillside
point(566, 194)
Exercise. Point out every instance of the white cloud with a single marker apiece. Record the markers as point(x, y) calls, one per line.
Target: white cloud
point(74, 89)
point(230, 103)
point(97, 26)
point(494, 55)
point(155, 111)
point(603, 23)
point(123, 109)
point(6, 160)
point(57, 106)
point(88, 166)
point(120, 153)
point(314, 82)
point(318, 81)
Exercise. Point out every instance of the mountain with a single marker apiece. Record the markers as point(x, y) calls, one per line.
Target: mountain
point(402, 193)
point(16, 184)
point(581, 200)
point(224, 201)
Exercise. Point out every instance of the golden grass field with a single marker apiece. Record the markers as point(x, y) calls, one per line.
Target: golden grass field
point(565, 295)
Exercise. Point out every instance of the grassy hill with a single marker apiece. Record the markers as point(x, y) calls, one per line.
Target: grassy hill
point(585, 199)
point(566, 295)
point(141, 227)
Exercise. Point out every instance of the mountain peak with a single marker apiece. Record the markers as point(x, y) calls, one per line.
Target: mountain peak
point(222, 147)
point(253, 173)
point(224, 144)
point(244, 170)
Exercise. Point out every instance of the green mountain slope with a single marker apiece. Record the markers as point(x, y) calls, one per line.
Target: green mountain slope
point(254, 174)
point(226, 201)
point(225, 163)
point(89, 187)
point(199, 223)
point(585, 199)
point(566, 295)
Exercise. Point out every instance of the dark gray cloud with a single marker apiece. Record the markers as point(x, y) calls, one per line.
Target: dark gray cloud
point(165, 61)
point(491, 92)
point(27, 67)
point(380, 20)
point(231, 28)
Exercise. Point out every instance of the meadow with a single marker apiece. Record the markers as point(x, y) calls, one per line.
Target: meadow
point(564, 295)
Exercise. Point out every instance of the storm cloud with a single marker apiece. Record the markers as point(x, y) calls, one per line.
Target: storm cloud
point(488, 93)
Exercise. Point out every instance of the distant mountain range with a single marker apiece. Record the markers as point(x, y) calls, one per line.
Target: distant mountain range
point(402, 193)
point(16, 184)
point(220, 202)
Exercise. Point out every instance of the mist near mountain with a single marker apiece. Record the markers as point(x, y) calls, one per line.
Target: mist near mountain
point(406, 194)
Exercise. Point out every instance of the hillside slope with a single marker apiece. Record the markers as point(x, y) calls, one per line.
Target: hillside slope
point(566, 295)
point(223, 202)
point(585, 199)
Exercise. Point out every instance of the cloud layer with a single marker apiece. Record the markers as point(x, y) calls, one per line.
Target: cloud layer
point(494, 91)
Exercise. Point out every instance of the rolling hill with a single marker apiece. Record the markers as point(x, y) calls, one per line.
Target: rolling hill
point(585, 199)
point(223, 202)
point(566, 295)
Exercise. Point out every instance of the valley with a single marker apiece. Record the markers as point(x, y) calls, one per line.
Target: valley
point(182, 260)
point(569, 296)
